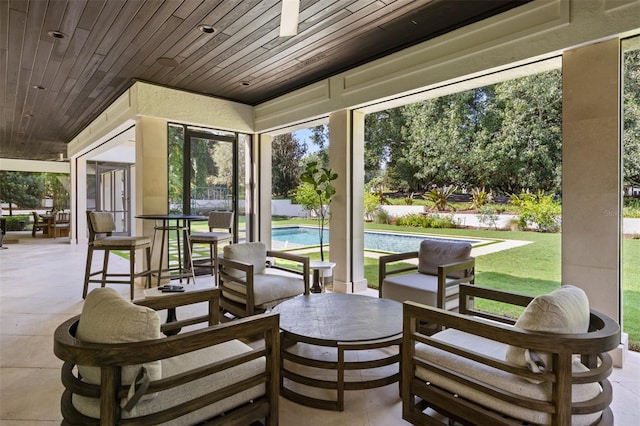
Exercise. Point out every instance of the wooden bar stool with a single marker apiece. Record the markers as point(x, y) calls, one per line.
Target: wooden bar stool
point(102, 223)
point(220, 220)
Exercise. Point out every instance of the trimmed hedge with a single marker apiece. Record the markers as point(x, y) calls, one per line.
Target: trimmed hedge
point(13, 222)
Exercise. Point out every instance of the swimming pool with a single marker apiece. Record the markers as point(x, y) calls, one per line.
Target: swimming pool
point(301, 236)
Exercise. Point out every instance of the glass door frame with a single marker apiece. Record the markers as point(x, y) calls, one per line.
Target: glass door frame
point(102, 168)
point(192, 132)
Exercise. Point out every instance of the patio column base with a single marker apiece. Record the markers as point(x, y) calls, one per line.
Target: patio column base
point(349, 287)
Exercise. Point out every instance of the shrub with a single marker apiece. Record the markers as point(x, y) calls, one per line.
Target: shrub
point(440, 196)
point(382, 216)
point(537, 210)
point(480, 198)
point(631, 208)
point(371, 203)
point(13, 222)
point(426, 221)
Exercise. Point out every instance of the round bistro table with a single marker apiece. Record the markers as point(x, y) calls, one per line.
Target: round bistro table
point(181, 225)
point(348, 322)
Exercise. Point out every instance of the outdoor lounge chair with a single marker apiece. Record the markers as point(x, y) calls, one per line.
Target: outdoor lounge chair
point(183, 379)
point(548, 367)
point(248, 286)
point(441, 267)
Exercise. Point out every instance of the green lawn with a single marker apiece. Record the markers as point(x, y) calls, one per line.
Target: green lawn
point(531, 269)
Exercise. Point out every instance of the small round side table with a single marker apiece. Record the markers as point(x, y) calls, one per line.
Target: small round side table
point(320, 269)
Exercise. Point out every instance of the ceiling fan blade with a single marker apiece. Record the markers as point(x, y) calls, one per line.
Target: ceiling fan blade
point(289, 18)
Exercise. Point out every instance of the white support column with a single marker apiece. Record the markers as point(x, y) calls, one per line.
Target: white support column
point(346, 228)
point(591, 174)
point(264, 189)
point(78, 178)
point(151, 174)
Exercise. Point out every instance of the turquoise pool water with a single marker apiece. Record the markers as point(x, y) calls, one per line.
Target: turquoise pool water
point(300, 236)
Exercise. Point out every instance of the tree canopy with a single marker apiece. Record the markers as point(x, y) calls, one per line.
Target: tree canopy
point(21, 189)
point(286, 167)
point(631, 114)
point(505, 136)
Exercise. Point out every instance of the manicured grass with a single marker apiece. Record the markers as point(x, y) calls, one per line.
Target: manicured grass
point(631, 291)
point(531, 269)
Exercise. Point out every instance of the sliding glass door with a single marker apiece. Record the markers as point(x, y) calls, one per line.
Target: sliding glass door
point(207, 172)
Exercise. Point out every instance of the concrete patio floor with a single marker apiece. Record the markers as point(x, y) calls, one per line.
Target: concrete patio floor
point(41, 286)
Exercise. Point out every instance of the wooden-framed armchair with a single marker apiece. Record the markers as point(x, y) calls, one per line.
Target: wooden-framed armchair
point(249, 286)
point(39, 224)
point(439, 268)
point(548, 367)
point(202, 374)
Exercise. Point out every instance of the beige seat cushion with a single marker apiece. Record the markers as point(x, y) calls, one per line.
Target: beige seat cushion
point(107, 317)
point(176, 365)
point(495, 377)
point(269, 288)
point(420, 288)
point(434, 253)
point(121, 241)
point(210, 237)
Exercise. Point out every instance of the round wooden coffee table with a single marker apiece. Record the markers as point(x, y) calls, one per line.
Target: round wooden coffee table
point(347, 322)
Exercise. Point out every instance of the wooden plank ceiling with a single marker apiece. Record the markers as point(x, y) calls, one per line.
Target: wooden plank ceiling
point(62, 62)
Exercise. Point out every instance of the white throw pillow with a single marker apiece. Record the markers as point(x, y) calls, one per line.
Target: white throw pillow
point(563, 311)
point(107, 317)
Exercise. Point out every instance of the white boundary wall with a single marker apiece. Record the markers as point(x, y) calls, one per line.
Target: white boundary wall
point(287, 209)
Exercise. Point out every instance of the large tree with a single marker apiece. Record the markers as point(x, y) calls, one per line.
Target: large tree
point(21, 189)
point(441, 137)
point(525, 152)
point(320, 137)
point(287, 153)
point(631, 114)
point(382, 139)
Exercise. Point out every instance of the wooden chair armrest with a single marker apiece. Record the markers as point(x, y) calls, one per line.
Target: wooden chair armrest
point(212, 296)
point(447, 268)
point(398, 256)
point(288, 256)
point(246, 281)
point(468, 293)
point(512, 298)
point(247, 268)
point(303, 260)
point(383, 261)
point(180, 299)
